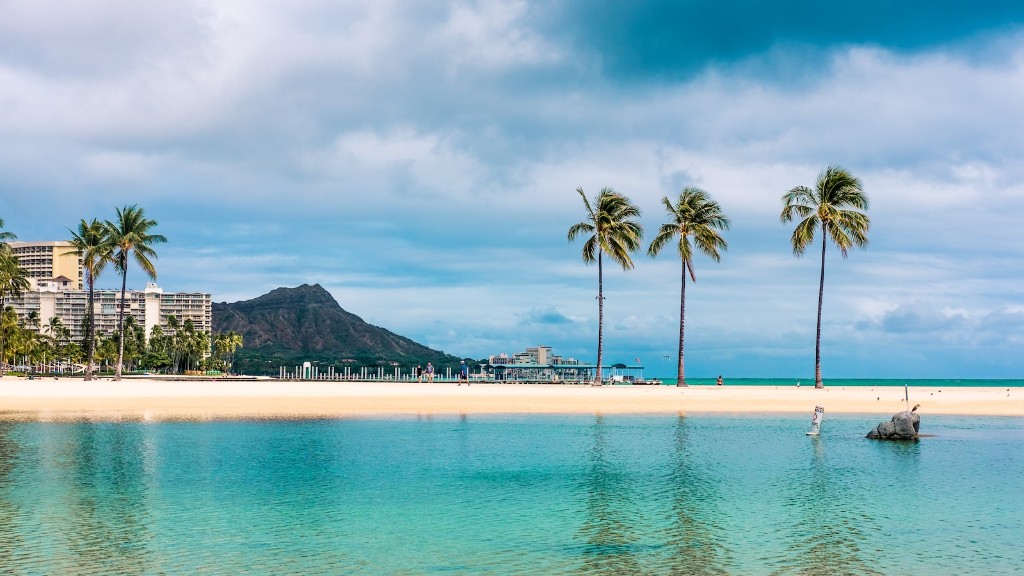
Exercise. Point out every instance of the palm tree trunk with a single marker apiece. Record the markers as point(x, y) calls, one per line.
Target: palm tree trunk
point(90, 331)
point(120, 325)
point(600, 318)
point(681, 369)
point(821, 296)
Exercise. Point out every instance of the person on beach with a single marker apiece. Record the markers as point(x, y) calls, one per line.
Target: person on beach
point(430, 373)
point(419, 374)
point(463, 373)
point(719, 380)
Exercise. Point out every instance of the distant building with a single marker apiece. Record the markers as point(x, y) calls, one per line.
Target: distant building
point(536, 363)
point(539, 355)
point(48, 260)
point(151, 307)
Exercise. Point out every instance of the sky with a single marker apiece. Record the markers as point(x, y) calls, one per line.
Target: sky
point(420, 161)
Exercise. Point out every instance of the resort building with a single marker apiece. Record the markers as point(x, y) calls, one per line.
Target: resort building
point(47, 260)
point(538, 355)
point(538, 364)
point(151, 307)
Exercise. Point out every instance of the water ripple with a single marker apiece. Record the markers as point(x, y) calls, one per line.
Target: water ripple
point(535, 495)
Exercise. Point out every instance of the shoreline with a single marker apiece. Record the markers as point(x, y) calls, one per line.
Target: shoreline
point(210, 399)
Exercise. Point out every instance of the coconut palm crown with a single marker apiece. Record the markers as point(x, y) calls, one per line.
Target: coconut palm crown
point(91, 244)
point(130, 238)
point(5, 236)
point(613, 231)
point(694, 215)
point(837, 204)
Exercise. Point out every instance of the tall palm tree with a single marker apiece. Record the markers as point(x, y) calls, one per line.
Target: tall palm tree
point(836, 204)
point(129, 237)
point(694, 214)
point(13, 281)
point(91, 244)
point(609, 222)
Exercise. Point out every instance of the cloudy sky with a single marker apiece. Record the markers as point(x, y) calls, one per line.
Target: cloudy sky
point(420, 160)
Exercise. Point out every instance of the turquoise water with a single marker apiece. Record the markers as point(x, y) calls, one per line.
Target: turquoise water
point(512, 495)
point(837, 382)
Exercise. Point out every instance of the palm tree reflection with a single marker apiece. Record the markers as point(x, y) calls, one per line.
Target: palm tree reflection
point(694, 536)
point(108, 521)
point(11, 515)
point(827, 536)
point(607, 530)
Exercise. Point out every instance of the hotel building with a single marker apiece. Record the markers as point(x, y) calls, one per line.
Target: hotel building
point(151, 307)
point(47, 260)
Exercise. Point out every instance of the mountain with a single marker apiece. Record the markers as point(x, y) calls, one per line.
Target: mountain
point(291, 325)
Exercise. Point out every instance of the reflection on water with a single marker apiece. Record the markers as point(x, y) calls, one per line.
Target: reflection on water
point(107, 522)
point(608, 526)
point(10, 512)
point(511, 495)
point(829, 533)
point(696, 538)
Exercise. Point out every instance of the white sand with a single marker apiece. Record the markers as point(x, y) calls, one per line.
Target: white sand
point(136, 399)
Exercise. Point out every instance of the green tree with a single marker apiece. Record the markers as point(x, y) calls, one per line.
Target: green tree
point(134, 343)
point(9, 335)
point(59, 335)
point(157, 356)
point(5, 237)
point(613, 231)
point(837, 205)
point(107, 349)
point(91, 244)
point(694, 215)
point(13, 281)
point(129, 236)
point(225, 344)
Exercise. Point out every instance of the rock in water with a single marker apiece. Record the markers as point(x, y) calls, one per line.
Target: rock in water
point(903, 426)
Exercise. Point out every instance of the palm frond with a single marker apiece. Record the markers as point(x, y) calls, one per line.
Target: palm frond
point(694, 215)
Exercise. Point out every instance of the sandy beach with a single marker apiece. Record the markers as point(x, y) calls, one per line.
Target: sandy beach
point(139, 399)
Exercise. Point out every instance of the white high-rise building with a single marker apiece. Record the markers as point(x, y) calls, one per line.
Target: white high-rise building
point(150, 307)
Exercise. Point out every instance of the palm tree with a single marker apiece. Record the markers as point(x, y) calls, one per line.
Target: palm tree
point(129, 236)
point(614, 232)
point(91, 244)
point(694, 214)
point(234, 341)
point(837, 204)
point(174, 328)
point(13, 281)
point(225, 344)
point(5, 236)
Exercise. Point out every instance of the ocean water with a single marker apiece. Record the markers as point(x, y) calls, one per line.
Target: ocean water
point(512, 495)
point(838, 382)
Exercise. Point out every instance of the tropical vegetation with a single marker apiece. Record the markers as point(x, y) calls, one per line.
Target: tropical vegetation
point(694, 215)
point(837, 205)
point(13, 282)
point(610, 229)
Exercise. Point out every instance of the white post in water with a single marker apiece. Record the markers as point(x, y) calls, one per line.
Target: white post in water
point(819, 413)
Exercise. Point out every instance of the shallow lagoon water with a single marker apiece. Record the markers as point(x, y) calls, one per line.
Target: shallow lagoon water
point(699, 494)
